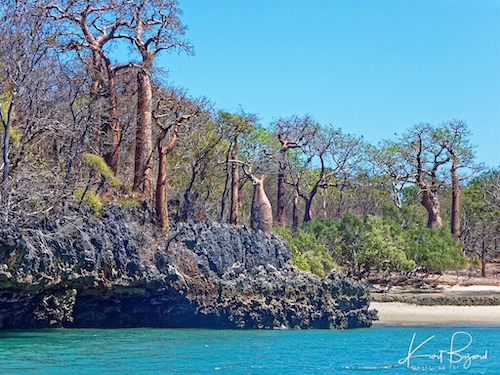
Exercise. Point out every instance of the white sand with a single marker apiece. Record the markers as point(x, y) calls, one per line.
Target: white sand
point(405, 314)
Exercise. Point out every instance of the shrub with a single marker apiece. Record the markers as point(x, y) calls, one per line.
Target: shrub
point(89, 199)
point(436, 250)
point(307, 253)
point(98, 165)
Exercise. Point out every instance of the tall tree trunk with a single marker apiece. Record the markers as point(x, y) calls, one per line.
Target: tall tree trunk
point(431, 203)
point(188, 202)
point(7, 124)
point(161, 202)
point(6, 163)
point(308, 214)
point(114, 131)
point(280, 199)
point(233, 214)
point(161, 189)
point(483, 255)
point(226, 188)
point(96, 103)
point(308, 209)
point(455, 201)
point(143, 173)
point(262, 213)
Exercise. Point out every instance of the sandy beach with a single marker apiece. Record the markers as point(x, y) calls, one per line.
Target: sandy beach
point(446, 300)
point(397, 313)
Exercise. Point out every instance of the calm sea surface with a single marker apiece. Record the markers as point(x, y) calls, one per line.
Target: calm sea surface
point(377, 350)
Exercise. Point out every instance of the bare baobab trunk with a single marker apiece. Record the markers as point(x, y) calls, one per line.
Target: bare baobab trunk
point(143, 173)
point(431, 203)
point(262, 213)
point(233, 213)
point(94, 95)
point(455, 201)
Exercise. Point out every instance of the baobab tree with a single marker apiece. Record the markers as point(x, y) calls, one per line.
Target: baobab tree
point(234, 127)
point(91, 26)
point(292, 133)
point(416, 157)
point(261, 214)
point(454, 136)
point(336, 155)
point(154, 27)
point(173, 110)
point(257, 159)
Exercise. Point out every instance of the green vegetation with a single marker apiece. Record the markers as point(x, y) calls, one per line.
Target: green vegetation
point(362, 245)
point(89, 199)
point(307, 253)
point(435, 250)
point(99, 166)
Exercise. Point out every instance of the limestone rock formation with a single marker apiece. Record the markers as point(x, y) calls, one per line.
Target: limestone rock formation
point(120, 271)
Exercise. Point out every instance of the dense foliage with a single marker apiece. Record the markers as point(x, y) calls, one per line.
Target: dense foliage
point(360, 245)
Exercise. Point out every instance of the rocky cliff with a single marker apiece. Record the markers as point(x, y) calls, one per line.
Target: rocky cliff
point(119, 271)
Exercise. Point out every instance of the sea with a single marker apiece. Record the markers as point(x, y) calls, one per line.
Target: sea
point(375, 350)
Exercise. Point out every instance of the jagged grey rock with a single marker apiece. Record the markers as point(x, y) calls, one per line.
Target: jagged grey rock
point(119, 271)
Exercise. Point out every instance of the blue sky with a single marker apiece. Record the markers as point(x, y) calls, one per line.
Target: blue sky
point(370, 67)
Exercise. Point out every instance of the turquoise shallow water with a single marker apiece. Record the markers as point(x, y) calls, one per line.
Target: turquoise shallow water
point(377, 350)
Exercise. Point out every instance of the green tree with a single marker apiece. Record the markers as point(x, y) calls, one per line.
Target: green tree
point(435, 250)
point(383, 250)
point(370, 244)
point(307, 253)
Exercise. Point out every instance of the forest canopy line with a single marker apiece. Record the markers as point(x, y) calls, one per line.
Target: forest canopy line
point(82, 129)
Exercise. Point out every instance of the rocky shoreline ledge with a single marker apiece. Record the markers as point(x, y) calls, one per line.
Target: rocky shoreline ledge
point(440, 299)
point(442, 296)
point(118, 271)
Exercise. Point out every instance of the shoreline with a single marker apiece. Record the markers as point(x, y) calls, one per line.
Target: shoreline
point(440, 305)
point(399, 313)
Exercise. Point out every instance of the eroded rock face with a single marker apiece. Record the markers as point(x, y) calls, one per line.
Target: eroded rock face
point(118, 271)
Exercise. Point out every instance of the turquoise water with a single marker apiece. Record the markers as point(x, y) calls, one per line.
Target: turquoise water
point(377, 350)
